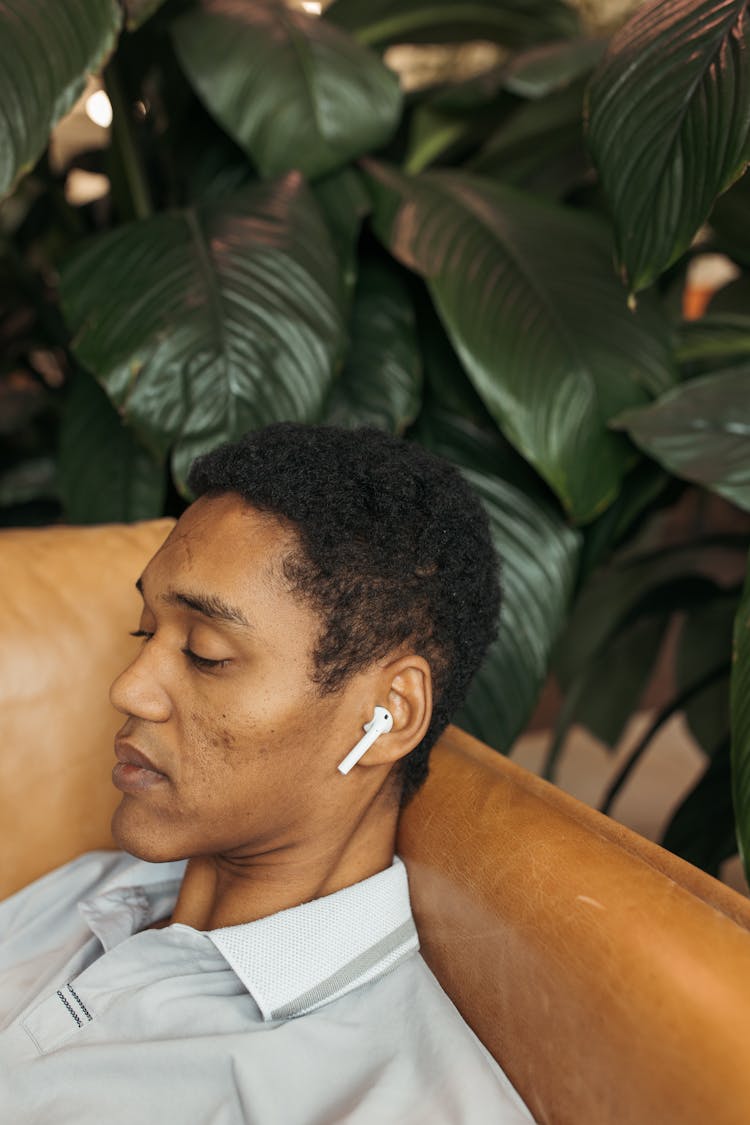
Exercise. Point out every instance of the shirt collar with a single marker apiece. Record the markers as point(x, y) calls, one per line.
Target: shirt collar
point(290, 962)
point(302, 958)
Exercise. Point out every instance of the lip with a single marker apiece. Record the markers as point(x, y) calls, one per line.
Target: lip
point(134, 772)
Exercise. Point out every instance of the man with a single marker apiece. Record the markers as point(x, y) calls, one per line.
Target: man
point(251, 955)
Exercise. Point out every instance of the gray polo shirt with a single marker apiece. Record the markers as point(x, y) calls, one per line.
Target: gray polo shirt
point(319, 1014)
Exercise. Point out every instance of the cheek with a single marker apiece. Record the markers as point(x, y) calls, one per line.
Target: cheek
point(284, 734)
point(209, 740)
point(214, 742)
point(223, 741)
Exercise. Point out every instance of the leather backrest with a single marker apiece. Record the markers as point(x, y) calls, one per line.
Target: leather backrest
point(610, 979)
point(67, 602)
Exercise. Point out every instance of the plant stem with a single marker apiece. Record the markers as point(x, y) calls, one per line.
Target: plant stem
point(562, 729)
point(125, 146)
point(635, 754)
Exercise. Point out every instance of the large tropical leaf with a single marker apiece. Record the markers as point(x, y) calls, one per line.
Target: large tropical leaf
point(292, 90)
point(715, 342)
point(730, 221)
point(538, 551)
point(642, 490)
point(702, 829)
point(514, 23)
point(381, 383)
point(106, 475)
point(455, 423)
point(344, 201)
point(439, 136)
point(526, 293)
point(204, 323)
point(701, 431)
point(481, 448)
point(541, 70)
point(605, 694)
point(740, 703)
point(705, 645)
point(669, 125)
point(613, 634)
point(540, 146)
point(622, 593)
point(452, 121)
point(538, 569)
point(47, 50)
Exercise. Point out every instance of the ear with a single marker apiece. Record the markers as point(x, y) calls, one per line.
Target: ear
point(405, 687)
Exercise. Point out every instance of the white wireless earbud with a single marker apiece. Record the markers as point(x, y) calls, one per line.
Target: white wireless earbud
point(380, 723)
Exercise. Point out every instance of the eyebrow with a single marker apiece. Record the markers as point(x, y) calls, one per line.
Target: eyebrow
point(208, 605)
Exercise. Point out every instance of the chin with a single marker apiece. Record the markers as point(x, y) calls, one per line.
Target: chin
point(137, 835)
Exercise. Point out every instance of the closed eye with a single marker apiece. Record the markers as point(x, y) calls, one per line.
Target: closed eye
point(197, 661)
point(202, 661)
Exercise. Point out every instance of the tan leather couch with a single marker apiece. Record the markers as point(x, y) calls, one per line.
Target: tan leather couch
point(610, 979)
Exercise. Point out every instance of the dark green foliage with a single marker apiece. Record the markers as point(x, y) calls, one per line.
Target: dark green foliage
point(288, 236)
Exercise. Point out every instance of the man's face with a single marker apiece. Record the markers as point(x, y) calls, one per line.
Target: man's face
point(220, 699)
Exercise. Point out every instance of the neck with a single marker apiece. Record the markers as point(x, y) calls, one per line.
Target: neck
point(227, 890)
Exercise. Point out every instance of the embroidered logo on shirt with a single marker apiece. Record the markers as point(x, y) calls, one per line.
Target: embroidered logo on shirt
point(79, 1005)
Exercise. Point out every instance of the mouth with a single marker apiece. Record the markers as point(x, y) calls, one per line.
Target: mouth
point(134, 772)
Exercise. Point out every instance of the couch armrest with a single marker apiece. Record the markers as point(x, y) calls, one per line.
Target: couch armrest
point(611, 978)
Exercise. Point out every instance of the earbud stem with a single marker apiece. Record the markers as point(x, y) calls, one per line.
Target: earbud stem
point(380, 723)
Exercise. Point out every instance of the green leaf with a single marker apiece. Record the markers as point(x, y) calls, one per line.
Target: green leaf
point(455, 424)
point(538, 566)
point(702, 828)
point(700, 431)
point(459, 116)
point(542, 70)
point(641, 489)
point(622, 609)
point(204, 323)
point(532, 73)
point(540, 146)
point(712, 343)
point(106, 475)
point(538, 552)
point(344, 201)
point(138, 11)
point(705, 643)
point(449, 386)
point(606, 693)
point(669, 118)
point(477, 93)
point(32, 479)
point(480, 448)
point(435, 135)
point(740, 707)
point(381, 383)
point(514, 23)
point(526, 294)
point(730, 221)
point(47, 50)
point(292, 90)
point(622, 593)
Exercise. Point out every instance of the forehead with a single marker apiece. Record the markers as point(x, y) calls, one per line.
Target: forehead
point(222, 545)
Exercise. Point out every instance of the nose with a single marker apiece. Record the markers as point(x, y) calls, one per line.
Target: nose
point(139, 692)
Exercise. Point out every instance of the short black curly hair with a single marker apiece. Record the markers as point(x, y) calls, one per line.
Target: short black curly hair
point(395, 550)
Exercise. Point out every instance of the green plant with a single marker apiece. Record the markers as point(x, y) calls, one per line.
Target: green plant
point(287, 235)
